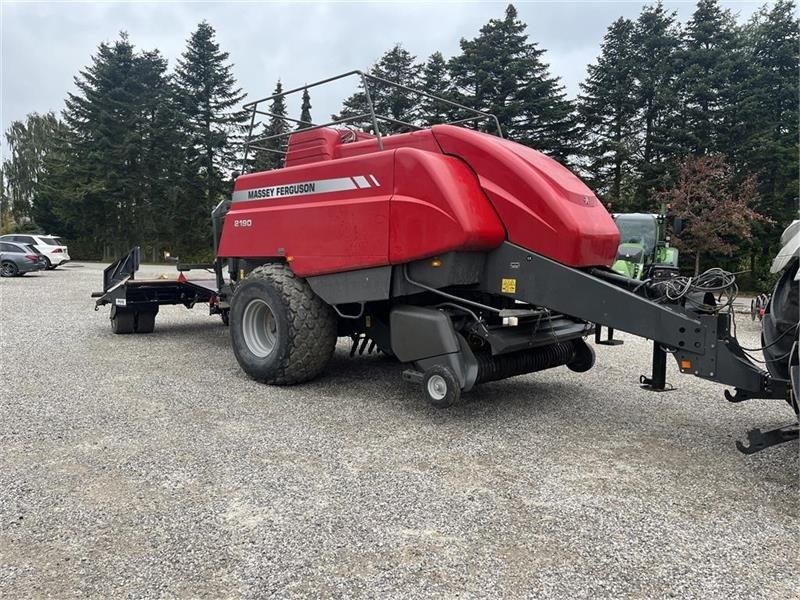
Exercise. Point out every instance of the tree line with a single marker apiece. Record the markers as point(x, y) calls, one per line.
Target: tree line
point(141, 155)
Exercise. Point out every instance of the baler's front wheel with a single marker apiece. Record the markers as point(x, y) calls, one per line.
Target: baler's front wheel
point(282, 333)
point(441, 387)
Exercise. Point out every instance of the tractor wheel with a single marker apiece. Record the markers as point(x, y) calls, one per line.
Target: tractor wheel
point(282, 332)
point(145, 321)
point(779, 327)
point(122, 321)
point(441, 387)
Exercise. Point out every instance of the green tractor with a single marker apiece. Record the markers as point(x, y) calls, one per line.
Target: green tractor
point(644, 251)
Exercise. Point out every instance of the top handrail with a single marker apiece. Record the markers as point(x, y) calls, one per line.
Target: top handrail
point(253, 108)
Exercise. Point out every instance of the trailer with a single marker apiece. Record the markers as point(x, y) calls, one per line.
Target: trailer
point(467, 257)
point(136, 302)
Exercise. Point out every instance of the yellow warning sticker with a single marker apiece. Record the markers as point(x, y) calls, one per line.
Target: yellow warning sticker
point(508, 286)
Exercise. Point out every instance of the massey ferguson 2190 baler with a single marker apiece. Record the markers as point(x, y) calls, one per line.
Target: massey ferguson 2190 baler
point(468, 257)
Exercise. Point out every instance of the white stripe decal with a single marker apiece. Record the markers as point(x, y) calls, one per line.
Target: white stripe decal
point(301, 188)
point(361, 181)
point(375, 181)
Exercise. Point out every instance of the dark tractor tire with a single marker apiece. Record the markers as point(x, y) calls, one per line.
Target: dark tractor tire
point(282, 332)
point(584, 357)
point(440, 386)
point(780, 325)
point(145, 322)
point(122, 322)
point(8, 269)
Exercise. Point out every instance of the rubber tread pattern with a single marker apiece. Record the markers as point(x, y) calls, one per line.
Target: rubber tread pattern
point(312, 326)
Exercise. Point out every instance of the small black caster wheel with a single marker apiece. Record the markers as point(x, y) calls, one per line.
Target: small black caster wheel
point(441, 387)
point(584, 357)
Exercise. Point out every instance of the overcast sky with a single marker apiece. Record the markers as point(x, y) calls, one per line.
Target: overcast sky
point(44, 44)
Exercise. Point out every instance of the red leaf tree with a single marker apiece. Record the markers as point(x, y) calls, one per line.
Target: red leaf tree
point(715, 207)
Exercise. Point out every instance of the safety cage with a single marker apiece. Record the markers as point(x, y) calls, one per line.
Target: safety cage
point(370, 84)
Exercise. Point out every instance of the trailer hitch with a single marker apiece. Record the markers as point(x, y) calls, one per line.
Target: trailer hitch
point(759, 440)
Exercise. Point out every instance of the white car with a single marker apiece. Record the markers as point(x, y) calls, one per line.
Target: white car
point(54, 253)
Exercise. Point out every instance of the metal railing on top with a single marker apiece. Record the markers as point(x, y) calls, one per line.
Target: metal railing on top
point(370, 115)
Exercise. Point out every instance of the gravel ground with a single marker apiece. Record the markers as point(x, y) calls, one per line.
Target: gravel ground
point(151, 466)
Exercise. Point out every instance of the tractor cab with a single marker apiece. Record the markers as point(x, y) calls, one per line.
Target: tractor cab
point(644, 251)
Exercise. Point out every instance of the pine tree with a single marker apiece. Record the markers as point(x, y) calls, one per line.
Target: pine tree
point(770, 149)
point(209, 96)
point(305, 111)
point(656, 38)
point(502, 73)
point(103, 118)
point(706, 69)
point(436, 81)
point(107, 186)
point(268, 148)
point(398, 66)
point(607, 109)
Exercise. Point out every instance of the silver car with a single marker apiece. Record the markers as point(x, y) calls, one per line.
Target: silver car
point(18, 259)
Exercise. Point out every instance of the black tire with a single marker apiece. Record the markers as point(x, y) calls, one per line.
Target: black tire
point(145, 322)
point(122, 322)
point(47, 264)
point(226, 317)
point(584, 357)
point(8, 269)
point(440, 386)
point(282, 332)
point(780, 318)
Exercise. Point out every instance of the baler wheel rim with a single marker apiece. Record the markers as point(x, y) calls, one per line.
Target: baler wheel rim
point(437, 387)
point(259, 328)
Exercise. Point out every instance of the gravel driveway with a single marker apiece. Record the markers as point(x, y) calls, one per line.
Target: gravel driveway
point(151, 466)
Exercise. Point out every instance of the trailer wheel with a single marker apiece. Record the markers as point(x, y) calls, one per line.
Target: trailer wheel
point(441, 387)
point(122, 321)
point(282, 332)
point(145, 321)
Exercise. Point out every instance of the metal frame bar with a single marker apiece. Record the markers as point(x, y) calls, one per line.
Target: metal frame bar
point(374, 118)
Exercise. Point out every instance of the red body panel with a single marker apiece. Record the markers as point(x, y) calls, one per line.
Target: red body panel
point(323, 232)
point(438, 206)
point(343, 206)
point(544, 207)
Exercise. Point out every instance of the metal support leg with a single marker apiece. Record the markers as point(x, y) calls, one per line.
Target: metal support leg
point(609, 341)
point(657, 382)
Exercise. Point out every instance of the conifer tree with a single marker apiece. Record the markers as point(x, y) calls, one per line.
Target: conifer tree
point(656, 38)
point(398, 66)
point(269, 149)
point(706, 65)
point(607, 108)
point(305, 111)
point(209, 97)
point(436, 81)
point(502, 73)
point(771, 149)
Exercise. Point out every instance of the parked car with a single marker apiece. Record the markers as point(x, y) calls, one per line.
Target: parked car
point(18, 259)
point(55, 254)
